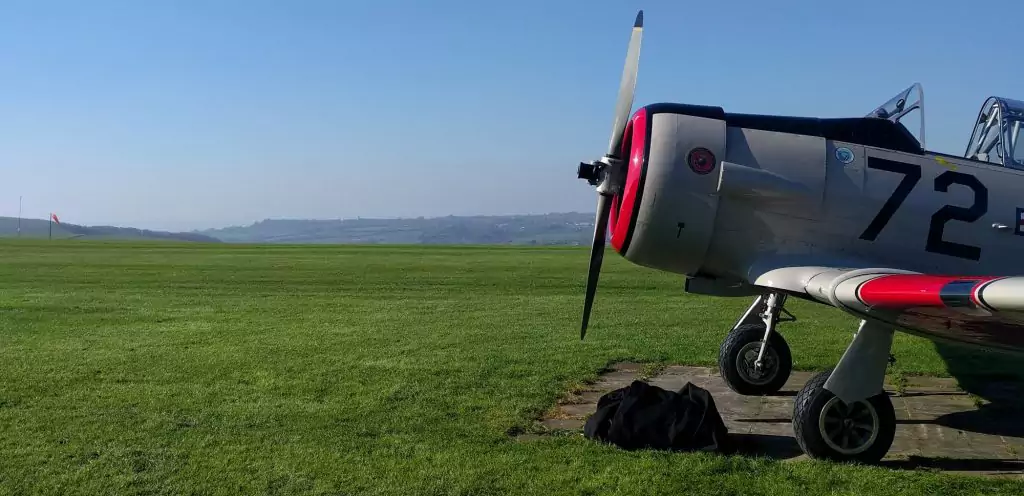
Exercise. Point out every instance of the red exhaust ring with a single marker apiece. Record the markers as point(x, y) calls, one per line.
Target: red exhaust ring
point(634, 147)
point(613, 214)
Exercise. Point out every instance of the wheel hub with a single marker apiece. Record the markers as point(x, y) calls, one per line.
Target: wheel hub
point(753, 372)
point(848, 429)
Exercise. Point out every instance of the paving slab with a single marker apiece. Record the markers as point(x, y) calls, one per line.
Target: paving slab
point(939, 426)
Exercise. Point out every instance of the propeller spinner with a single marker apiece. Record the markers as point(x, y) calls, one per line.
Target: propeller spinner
point(606, 173)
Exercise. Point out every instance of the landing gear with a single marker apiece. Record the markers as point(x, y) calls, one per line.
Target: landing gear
point(827, 428)
point(754, 359)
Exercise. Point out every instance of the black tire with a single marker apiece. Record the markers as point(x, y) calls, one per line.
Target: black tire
point(745, 340)
point(809, 407)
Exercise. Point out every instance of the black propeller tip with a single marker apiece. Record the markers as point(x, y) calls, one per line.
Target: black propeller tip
point(639, 23)
point(604, 206)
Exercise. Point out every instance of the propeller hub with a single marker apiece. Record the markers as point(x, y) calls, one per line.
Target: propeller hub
point(589, 171)
point(604, 173)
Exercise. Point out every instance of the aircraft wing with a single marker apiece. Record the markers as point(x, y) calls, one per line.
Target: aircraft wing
point(985, 310)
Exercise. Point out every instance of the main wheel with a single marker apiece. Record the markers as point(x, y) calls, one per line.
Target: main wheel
point(737, 359)
point(827, 428)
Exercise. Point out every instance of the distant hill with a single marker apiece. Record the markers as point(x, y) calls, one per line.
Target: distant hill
point(38, 228)
point(548, 229)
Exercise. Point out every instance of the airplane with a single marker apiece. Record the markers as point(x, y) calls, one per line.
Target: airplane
point(854, 213)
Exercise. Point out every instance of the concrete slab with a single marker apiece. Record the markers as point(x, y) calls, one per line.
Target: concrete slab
point(939, 426)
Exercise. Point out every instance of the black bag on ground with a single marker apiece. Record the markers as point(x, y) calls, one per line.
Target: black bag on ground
point(643, 416)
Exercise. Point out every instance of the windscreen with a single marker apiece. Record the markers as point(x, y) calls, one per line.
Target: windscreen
point(892, 108)
point(906, 102)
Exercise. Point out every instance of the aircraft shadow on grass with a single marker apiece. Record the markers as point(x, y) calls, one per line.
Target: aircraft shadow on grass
point(994, 377)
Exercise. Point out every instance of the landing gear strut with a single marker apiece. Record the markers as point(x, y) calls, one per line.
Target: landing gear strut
point(754, 359)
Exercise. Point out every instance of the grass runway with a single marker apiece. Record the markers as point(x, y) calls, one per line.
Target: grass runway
point(160, 368)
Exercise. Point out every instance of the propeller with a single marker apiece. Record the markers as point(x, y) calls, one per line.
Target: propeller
point(606, 173)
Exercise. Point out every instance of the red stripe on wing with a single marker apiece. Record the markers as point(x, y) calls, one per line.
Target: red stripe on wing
point(913, 290)
point(903, 291)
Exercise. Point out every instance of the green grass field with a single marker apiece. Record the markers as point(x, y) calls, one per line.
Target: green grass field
point(155, 368)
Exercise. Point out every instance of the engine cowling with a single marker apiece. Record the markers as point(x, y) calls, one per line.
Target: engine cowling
point(665, 215)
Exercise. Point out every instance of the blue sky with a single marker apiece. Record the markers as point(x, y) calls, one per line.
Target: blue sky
point(193, 114)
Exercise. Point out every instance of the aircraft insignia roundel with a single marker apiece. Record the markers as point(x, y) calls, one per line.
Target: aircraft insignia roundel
point(701, 160)
point(844, 155)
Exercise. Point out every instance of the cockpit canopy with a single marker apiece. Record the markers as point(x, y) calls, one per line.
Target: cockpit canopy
point(997, 130)
point(997, 133)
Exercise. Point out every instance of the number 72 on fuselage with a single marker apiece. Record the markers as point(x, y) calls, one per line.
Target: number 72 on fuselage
point(933, 212)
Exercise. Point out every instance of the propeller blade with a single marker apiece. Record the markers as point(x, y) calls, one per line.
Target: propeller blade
point(625, 99)
point(623, 105)
point(604, 207)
